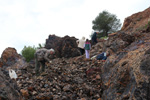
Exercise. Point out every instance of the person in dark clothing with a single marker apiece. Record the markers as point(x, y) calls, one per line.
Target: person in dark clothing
point(103, 56)
point(94, 38)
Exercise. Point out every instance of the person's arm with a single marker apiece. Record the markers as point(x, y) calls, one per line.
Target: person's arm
point(77, 41)
point(90, 46)
point(46, 56)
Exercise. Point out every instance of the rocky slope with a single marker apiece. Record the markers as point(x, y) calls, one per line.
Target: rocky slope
point(125, 75)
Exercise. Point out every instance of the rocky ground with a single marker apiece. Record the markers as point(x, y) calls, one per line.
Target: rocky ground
point(64, 79)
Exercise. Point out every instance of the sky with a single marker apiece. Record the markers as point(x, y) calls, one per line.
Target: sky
point(30, 22)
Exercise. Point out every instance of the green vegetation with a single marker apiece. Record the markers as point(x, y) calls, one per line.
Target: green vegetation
point(143, 27)
point(105, 37)
point(28, 53)
point(147, 25)
point(106, 23)
point(41, 46)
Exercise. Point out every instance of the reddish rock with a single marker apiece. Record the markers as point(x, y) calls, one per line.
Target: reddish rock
point(137, 22)
point(24, 93)
point(1, 63)
point(9, 56)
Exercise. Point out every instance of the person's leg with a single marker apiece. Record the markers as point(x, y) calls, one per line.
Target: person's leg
point(43, 66)
point(87, 53)
point(83, 51)
point(80, 51)
point(37, 66)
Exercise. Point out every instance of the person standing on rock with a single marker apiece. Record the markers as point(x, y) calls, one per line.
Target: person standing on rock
point(81, 43)
point(94, 38)
point(87, 47)
point(42, 56)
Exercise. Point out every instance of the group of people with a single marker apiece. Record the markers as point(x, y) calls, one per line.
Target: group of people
point(86, 45)
point(44, 55)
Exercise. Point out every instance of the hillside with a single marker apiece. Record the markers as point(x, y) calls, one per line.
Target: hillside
point(125, 75)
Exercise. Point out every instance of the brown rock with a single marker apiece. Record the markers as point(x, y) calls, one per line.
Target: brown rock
point(64, 47)
point(24, 93)
point(8, 88)
point(9, 56)
point(136, 22)
point(30, 88)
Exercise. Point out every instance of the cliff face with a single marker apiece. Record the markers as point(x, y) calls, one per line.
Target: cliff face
point(137, 22)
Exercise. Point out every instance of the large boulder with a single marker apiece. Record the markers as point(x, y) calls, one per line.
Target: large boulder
point(64, 47)
point(10, 58)
point(8, 88)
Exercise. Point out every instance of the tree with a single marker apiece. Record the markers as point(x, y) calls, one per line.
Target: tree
point(40, 46)
point(28, 53)
point(106, 23)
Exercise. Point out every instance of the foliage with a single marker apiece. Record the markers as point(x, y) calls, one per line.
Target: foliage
point(147, 25)
point(41, 46)
point(28, 53)
point(106, 23)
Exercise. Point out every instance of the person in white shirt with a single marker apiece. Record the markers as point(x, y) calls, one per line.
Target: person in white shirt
point(81, 43)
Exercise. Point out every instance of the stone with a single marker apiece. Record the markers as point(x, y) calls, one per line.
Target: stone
point(24, 93)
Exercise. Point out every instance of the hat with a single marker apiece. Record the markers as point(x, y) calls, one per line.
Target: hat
point(52, 50)
point(83, 38)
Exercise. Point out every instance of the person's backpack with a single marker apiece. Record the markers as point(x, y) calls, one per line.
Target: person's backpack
point(87, 46)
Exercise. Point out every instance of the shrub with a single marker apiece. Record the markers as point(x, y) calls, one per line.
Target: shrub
point(28, 53)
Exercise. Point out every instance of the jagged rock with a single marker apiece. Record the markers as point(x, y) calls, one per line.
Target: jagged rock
point(8, 88)
point(137, 22)
point(125, 74)
point(24, 93)
point(10, 58)
point(1, 63)
point(64, 47)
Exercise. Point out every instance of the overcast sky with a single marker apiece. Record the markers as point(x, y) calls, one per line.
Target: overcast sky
point(30, 22)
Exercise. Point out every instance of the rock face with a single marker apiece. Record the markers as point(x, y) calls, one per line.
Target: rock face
point(125, 74)
point(137, 22)
point(64, 47)
point(10, 58)
point(8, 88)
